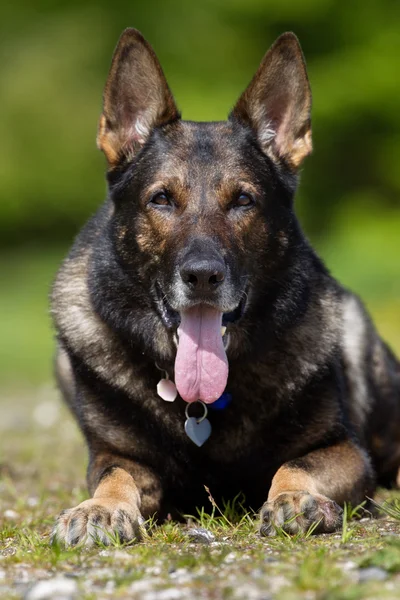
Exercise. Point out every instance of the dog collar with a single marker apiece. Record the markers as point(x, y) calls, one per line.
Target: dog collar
point(222, 402)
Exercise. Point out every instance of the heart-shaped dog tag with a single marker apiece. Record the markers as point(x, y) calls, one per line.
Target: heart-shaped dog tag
point(166, 389)
point(198, 431)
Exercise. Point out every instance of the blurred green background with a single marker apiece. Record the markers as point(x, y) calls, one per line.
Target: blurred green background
point(54, 61)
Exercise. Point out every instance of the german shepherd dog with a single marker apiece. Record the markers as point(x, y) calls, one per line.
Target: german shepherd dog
point(196, 271)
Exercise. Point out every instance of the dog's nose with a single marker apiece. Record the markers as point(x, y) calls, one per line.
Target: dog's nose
point(203, 275)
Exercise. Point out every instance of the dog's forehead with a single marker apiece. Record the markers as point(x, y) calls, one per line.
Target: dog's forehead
point(212, 147)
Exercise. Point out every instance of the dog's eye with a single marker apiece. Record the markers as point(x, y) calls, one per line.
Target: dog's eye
point(244, 200)
point(161, 199)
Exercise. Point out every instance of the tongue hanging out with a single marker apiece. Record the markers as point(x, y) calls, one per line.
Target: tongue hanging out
point(201, 366)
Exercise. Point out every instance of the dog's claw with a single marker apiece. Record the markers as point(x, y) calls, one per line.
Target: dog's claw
point(98, 520)
point(300, 512)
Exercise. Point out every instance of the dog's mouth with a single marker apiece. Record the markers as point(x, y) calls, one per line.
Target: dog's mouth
point(172, 318)
point(202, 337)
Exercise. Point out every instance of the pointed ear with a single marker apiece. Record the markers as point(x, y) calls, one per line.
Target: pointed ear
point(136, 99)
point(277, 103)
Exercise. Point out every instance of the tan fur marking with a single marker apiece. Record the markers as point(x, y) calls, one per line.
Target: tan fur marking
point(122, 232)
point(106, 142)
point(114, 509)
point(128, 480)
point(119, 485)
point(295, 480)
point(341, 472)
point(301, 148)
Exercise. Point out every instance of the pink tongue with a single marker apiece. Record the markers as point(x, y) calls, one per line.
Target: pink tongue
point(201, 366)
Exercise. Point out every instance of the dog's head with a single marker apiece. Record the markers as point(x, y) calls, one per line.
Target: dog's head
point(202, 211)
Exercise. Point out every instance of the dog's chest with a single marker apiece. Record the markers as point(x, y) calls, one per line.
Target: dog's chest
point(249, 424)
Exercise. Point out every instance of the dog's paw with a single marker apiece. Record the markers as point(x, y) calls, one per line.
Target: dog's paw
point(300, 512)
point(98, 520)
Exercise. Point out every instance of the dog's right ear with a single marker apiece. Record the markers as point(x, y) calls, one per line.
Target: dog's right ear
point(136, 99)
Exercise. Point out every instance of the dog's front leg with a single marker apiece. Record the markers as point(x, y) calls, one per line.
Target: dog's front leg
point(114, 511)
point(311, 490)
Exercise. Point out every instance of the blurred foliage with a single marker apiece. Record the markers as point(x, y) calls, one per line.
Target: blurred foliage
point(54, 60)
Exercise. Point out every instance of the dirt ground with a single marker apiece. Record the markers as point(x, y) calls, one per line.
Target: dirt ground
point(42, 471)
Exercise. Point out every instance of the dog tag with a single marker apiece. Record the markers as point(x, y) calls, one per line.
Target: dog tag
point(198, 431)
point(166, 389)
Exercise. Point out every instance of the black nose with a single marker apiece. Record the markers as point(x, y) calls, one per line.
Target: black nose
point(203, 275)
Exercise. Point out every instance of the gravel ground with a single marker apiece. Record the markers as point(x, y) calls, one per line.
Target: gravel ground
point(42, 464)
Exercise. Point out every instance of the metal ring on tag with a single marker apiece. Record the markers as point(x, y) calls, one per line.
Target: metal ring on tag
point(204, 407)
point(166, 376)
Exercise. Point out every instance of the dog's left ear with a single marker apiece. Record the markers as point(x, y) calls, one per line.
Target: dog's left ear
point(277, 103)
point(136, 99)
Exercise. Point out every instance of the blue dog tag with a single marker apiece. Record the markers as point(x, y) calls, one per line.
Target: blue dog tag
point(198, 431)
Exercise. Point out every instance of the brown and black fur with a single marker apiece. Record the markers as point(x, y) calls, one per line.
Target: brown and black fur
point(315, 416)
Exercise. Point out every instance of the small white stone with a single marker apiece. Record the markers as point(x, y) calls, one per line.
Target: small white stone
point(121, 555)
point(109, 587)
point(248, 591)
point(276, 583)
point(168, 594)
point(22, 576)
point(372, 574)
point(32, 501)
point(47, 413)
point(59, 587)
point(11, 515)
point(153, 571)
point(144, 585)
point(200, 535)
point(349, 565)
point(181, 576)
point(230, 558)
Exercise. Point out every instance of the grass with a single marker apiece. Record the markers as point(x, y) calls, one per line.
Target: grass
point(25, 328)
point(43, 473)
